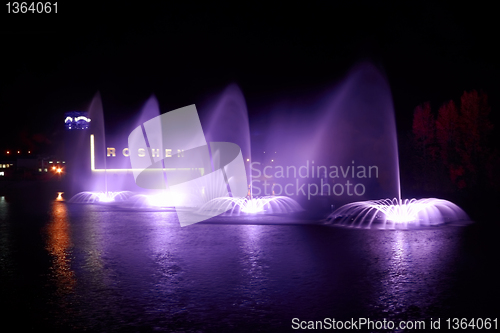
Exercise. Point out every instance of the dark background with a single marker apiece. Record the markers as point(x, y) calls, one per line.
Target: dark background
point(55, 63)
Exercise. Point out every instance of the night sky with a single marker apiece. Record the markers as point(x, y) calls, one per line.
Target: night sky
point(55, 63)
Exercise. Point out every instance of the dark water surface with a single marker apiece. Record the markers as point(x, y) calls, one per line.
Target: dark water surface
point(94, 268)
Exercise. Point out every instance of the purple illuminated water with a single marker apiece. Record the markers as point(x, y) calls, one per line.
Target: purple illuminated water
point(360, 117)
point(227, 121)
point(89, 268)
point(348, 134)
point(350, 125)
point(115, 186)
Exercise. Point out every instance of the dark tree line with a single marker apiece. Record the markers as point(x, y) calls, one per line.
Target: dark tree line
point(453, 149)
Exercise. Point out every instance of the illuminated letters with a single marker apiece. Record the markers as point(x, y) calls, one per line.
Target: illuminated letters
point(111, 152)
point(141, 152)
point(155, 152)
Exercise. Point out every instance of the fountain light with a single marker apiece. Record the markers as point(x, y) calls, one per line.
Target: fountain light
point(253, 206)
point(164, 199)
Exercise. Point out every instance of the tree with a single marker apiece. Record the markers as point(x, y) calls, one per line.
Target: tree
point(456, 145)
point(448, 140)
point(424, 128)
point(424, 140)
point(475, 130)
point(447, 130)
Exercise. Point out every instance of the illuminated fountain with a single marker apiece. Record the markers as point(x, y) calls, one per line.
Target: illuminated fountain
point(87, 197)
point(397, 214)
point(352, 128)
point(347, 132)
point(95, 182)
point(111, 191)
point(227, 121)
point(371, 138)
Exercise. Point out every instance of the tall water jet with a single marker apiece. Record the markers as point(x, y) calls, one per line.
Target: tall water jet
point(366, 131)
point(120, 176)
point(98, 142)
point(357, 124)
point(90, 174)
point(80, 141)
point(161, 197)
point(336, 146)
point(227, 121)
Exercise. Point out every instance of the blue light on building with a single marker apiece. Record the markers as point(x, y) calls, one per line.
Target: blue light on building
point(76, 120)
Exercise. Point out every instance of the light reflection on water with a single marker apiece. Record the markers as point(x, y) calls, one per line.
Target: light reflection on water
point(413, 268)
point(59, 246)
point(253, 267)
point(110, 268)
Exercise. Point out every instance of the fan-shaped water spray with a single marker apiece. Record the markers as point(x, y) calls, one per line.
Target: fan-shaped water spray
point(377, 141)
point(254, 205)
point(397, 214)
point(88, 197)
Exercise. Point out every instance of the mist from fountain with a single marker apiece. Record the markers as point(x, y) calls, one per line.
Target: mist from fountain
point(349, 126)
point(347, 130)
point(363, 109)
point(95, 186)
point(226, 121)
point(98, 187)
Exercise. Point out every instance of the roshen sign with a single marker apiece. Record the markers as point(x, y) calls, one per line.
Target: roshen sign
point(141, 152)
